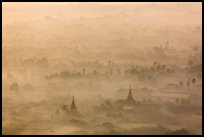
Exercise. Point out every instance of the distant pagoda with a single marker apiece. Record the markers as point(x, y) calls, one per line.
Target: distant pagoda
point(130, 98)
point(73, 106)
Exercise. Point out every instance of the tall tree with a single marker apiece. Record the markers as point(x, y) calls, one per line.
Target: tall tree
point(188, 84)
point(181, 83)
point(193, 81)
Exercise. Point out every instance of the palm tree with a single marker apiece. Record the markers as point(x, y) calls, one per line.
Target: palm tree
point(193, 81)
point(188, 84)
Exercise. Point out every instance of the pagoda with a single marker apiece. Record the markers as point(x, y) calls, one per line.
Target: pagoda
point(73, 106)
point(130, 98)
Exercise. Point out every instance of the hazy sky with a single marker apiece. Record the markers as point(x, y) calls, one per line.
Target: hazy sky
point(15, 9)
point(19, 4)
point(34, 15)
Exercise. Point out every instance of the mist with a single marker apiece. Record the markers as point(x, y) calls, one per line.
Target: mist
point(102, 68)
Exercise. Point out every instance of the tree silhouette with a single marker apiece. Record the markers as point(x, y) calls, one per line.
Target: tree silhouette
point(84, 71)
point(163, 67)
point(188, 84)
point(181, 83)
point(177, 100)
point(193, 81)
point(14, 87)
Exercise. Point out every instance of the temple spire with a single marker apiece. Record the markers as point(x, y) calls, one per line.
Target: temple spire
point(130, 96)
point(73, 105)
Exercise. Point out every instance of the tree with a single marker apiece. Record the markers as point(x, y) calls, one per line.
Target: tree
point(108, 103)
point(95, 72)
point(64, 74)
point(155, 63)
point(181, 83)
point(190, 63)
point(158, 67)
point(64, 108)
point(44, 60)
point(188, 84)
point(57, 112)
point(183, 101)
point(109, 63)
point(14, 87)
point(193, 81)
point(84, 71)
point(163, 67)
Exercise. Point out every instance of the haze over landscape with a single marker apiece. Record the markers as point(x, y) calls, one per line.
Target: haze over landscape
point(102, 68)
